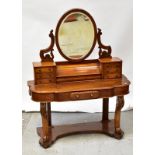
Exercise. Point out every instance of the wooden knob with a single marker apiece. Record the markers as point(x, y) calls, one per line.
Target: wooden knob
point(91, 95)
point(77, 96)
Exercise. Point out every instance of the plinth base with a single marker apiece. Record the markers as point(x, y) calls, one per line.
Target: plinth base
point(55, 132)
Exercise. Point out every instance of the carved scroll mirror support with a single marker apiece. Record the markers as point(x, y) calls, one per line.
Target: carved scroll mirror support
point(43, 53)
point(104, 51)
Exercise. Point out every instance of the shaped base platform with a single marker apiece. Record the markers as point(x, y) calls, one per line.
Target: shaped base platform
point(55, 132)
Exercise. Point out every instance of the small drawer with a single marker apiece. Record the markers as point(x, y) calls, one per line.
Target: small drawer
point(43, 81)
point(112, 76)
point(84, 95)
point(44, 76)
point(43, 70)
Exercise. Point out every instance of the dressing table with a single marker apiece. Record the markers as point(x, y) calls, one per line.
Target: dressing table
point(77, 78)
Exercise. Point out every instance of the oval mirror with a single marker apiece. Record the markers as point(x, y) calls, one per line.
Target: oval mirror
point(76, 35)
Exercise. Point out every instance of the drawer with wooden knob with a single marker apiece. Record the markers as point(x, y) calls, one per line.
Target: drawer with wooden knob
point(44, 76)
point(84, 95)
point(44, 81)
point(43, 69)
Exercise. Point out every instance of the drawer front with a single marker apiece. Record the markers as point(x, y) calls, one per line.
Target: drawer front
point(44, 76)
point(43, 69)
point(84, 95)
point(44, 81)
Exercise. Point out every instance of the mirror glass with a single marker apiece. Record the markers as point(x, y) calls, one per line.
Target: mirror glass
point(76, 35)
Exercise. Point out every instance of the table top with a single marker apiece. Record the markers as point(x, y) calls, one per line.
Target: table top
point(98, 84)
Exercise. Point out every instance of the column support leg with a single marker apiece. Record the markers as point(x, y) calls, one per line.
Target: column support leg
point(49, 113)
point(105, 111)
point(119, 105)
point(46, 135)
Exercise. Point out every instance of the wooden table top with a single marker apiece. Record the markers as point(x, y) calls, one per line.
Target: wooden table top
point(98, 84)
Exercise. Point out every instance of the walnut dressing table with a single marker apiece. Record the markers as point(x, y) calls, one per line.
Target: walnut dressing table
point(77, 78)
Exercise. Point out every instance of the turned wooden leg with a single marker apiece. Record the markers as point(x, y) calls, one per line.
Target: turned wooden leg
point(49, 113)
point(105, 109)
point(45, 125)
point(119, 105)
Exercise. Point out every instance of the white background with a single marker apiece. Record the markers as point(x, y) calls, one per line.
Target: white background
point(11, 83)
point(113, 17)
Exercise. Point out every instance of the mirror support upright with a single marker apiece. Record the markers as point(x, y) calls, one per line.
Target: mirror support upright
point(104, 51)
point(43, 53)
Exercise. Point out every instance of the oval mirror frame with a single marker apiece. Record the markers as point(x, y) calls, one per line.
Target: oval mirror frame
point(57, 31)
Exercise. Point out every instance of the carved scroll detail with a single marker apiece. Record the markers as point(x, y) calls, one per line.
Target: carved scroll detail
point(43, 53)
point(104, 51)
point(119, 106)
